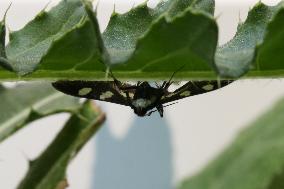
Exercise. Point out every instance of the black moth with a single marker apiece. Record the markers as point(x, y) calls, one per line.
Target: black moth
point(142, 97)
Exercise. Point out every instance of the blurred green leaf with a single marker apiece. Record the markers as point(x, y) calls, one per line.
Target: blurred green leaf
point(48, 171)
point(28, 102)
point(255, 160)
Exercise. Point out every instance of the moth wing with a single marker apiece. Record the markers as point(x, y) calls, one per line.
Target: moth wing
point(193, 88)
point(98, 90)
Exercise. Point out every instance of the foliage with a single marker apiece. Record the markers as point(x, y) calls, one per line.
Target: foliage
point(48, 171)
point(33, 101)
point(26, 103)
point(144, 43)
point(148, 44)
point(255, 160)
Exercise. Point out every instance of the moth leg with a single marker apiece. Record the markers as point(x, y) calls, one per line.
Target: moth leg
point(150, 113)
point(160, 109)
point(128, 88)
point(163, 85)
point(116, 81)
point(157, 85)
point(128, 99)
point(119, 84)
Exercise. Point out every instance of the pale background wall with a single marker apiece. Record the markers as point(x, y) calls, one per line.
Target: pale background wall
point(131, 152)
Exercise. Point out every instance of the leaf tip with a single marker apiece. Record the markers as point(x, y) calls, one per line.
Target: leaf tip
point(5, 14)
point(89, 7)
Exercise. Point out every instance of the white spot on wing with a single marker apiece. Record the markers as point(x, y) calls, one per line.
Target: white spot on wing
point(185, 93)
point(106, 95)
point(131, 95)
point(84, 91)
point(170, 95)
point(208, 87)
point(123, 94)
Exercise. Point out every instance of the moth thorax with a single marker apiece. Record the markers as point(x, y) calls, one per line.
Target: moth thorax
point(141, 103)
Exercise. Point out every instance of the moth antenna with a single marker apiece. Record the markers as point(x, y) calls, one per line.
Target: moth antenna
point(153, 111)
point(166, 85)
point(170, 104)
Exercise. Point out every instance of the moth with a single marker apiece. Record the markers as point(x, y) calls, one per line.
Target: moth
point(143, 98)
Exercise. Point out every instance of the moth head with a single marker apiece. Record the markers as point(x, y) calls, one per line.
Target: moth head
point(141, 112)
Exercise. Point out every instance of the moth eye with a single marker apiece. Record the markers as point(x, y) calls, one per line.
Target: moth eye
point(85, 91)
point(208, 87)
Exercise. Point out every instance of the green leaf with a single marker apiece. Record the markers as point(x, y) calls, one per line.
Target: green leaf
point(255, 160)
point(28, 102)
point(48, 171)
point(145, 43)
point(81, 48)
point(72, 45)
point(270, 54)
point(28, 46)
point(145, 51)
point(4, 63)
point(124, 31)
point(238, 56)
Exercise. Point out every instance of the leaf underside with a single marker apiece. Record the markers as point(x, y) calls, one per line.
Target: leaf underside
point(255, 160)
point(145, 43)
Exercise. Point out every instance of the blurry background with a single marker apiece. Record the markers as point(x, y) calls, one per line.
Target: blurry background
point(145, 153)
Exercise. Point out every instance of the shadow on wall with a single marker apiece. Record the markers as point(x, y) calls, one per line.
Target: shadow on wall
point(141, 160)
